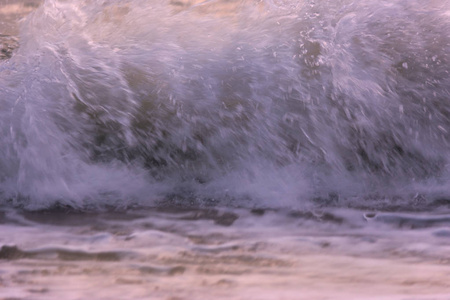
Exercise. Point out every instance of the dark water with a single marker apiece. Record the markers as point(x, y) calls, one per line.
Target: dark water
point(243, 103)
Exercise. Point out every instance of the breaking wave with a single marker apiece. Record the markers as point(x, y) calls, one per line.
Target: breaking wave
point(272, 103)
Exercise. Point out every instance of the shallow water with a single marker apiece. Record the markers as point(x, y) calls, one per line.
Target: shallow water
point(224, 149)
point(224, 254)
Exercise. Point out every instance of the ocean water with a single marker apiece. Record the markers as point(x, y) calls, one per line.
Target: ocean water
point(224, 149)
point(246, 103)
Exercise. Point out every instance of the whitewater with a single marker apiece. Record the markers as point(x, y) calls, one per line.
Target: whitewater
point(224, 149)
point(276, 102)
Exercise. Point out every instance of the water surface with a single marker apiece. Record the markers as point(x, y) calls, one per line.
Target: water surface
point(224, 149)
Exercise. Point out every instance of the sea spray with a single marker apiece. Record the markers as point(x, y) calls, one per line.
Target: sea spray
point(272, 103)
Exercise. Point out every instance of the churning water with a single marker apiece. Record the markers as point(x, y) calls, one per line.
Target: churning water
point(225, 149)
point(259, 102)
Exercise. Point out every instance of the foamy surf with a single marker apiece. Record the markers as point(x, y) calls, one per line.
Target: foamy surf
point(222, 254)
point(257, 103)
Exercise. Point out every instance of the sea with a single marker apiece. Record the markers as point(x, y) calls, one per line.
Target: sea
point(225, 149)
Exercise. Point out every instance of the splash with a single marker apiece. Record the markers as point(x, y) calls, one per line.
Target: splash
point(273, 103)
